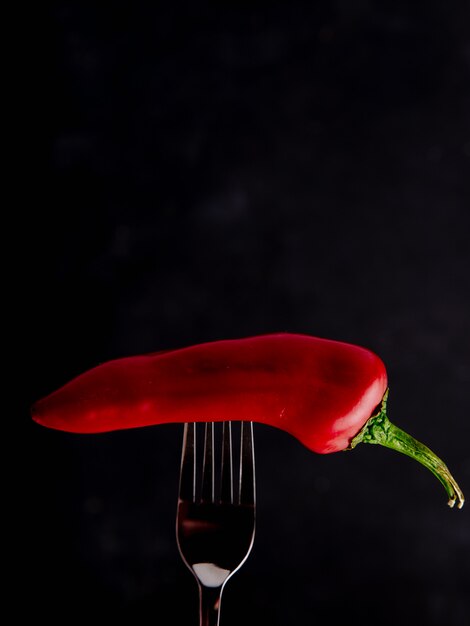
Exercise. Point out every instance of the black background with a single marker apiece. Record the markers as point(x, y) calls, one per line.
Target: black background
point(213, 171)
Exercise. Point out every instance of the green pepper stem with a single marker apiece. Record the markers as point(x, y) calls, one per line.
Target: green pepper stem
point(379, 429)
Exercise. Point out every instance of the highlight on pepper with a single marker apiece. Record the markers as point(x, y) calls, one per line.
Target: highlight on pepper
point(328, 394)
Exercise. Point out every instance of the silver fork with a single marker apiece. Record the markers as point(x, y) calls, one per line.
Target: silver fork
point(215, 532)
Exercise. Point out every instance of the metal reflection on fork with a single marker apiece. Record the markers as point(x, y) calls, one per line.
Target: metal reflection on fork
point(215, 523)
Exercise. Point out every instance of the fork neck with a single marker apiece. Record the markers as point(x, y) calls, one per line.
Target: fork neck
point(209, 605)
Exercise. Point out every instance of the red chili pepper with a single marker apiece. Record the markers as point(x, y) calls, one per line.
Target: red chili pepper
point(328, 394)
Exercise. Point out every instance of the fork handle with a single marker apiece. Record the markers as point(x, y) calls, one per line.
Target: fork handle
point(209, 605)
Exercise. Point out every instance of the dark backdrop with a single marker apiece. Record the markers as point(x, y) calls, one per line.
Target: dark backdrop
point(220, 171)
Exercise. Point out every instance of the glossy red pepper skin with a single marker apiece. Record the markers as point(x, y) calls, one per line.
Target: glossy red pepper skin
point(320, 391)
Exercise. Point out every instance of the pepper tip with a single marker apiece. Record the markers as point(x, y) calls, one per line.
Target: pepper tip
point(36, 414)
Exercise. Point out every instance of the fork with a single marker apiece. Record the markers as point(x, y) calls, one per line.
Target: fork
point(215, 532)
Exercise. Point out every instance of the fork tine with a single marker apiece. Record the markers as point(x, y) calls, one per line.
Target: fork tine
point(187, 486)
point(207, 489)
point(247, 465)
point(226, 474)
